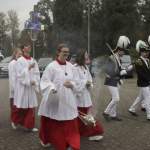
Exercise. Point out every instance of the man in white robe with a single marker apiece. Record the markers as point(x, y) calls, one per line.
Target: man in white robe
point(58, 109)
point(143, 78)
point(12, 80)
point(27, 84)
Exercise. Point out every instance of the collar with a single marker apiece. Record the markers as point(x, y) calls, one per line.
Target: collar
point(145, 59)
point(27, 57)
point(60, 62)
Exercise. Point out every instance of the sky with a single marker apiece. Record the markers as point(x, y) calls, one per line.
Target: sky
point(22, 7)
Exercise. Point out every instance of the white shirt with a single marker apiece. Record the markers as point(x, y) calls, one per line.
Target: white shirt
point(83, 94)
point(12, 78)
point(61, 105)
point(25, 93)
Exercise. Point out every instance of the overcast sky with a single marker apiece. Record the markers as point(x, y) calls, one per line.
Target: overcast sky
point(22, 7)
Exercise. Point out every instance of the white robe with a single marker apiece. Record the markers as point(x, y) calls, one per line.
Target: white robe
point(25, 93)
point(12, 78)
point(61, 105)
point(83, 94)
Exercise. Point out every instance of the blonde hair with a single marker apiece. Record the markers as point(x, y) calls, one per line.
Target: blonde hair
point(15, 51)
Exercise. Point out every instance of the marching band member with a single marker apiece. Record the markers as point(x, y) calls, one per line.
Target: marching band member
point(84, 101)
point(58, 109)
point(139, 99)
point(143, 77)
point(12, 80)
point(27, 84)
point(114, 72)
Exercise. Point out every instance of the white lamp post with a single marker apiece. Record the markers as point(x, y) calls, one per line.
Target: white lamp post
point(33, 35)
point(89, 31)
point(87, 3)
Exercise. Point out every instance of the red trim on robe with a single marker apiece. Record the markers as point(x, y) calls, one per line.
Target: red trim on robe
point(44, 130)
point(61, 134)
point(11, 108)
point(60, 62)
point(88, 130)
point(24, 117)
point(27, 57)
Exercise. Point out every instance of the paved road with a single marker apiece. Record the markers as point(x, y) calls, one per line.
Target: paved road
point(130, 134)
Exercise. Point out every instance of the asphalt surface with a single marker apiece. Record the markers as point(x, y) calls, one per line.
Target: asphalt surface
point(130, 134)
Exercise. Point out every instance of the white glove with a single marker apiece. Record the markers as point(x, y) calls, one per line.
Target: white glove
point(123, 72)
point(130, 67)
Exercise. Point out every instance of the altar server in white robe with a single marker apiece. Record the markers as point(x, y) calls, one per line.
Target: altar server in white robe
point(27, 84)
point(58, 109)
point(12, 80)
point(84, 101)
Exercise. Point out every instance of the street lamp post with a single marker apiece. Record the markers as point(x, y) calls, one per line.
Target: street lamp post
point(87, 3)
point(33, 36)
point(33, 26)
point(33, 46)
point(89, 29)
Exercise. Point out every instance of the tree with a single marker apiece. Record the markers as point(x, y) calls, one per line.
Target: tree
point(71, 14)
point(44, 41)
point(13, 25)
point(68, 22)
point(5, 43)
point(45, 8)
point(118, 16)
point(92, 8)
point(144, 11)
point(3, 29)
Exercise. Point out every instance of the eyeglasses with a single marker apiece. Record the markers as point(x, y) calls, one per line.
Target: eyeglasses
point(65, 52)
point(27, 47)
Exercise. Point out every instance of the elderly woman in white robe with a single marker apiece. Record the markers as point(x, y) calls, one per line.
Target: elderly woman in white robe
point(27, 84)
point(58, 109)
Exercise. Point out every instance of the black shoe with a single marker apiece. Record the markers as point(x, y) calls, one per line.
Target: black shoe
point(148, 119)
point(106, 116)
point(143, 109)
point(133, 113)
point(116, 118)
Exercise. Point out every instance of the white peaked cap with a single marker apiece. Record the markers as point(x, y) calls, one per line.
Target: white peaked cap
point(141, 44)
point(123, 42)
point(149, 39)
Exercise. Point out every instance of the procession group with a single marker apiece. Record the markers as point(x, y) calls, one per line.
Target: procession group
point(65, 102)
point(65, 89)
